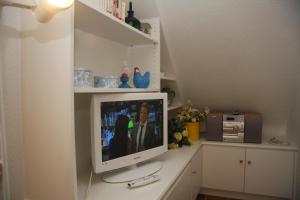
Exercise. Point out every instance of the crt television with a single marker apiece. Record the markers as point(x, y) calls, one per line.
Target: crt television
point(128, 129)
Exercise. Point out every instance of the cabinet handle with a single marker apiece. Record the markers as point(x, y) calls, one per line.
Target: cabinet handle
point(249, 162)
point(194, 172)
point(241, 161)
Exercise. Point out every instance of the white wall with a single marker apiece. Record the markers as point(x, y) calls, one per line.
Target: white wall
point(10, 99)
point(110, 57)
point(250, 47)
point(294, 131)
point(38, 119)
point(234, 54)
point(296, 136)
point(297, 139)
point(237, 55)
point(47, 103)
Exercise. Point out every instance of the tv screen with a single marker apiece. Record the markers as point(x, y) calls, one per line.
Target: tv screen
point(130, 126)
point(127, 129)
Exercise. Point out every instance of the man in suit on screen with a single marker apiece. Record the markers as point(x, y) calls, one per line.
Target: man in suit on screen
point(143, 134)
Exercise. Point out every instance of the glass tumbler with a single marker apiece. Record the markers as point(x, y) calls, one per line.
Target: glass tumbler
point(83, 78)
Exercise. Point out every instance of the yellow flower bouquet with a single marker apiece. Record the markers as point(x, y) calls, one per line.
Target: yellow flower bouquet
point(179, 139)
point(190, 114)
point(189, 118)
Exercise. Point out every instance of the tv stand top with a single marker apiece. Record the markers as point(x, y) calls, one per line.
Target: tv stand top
point(134, 172)
point(174, 162)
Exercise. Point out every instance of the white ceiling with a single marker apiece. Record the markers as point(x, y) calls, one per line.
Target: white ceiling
point(233, 54)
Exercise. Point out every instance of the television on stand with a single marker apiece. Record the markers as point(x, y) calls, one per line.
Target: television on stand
point(128, 130)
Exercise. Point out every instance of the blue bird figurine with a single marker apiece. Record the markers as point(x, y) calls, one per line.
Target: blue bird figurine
point(139, 80)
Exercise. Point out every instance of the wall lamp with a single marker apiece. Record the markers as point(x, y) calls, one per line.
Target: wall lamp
point(43, 10)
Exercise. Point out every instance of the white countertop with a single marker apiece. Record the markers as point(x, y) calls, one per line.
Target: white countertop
point(263, 145)
point(174, 162)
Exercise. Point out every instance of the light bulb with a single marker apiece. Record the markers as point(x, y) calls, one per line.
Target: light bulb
point(61, 4)
point(45, 9)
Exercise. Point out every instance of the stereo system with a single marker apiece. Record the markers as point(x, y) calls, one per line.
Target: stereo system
point(228, 127)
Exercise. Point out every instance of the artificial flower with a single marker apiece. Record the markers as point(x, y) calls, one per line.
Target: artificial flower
point(184, 133)
point(173, 146)
point(178, 136)
point(190, 114)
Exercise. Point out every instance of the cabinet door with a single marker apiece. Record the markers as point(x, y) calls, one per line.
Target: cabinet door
point(182, 188)
point(269, 172)
point(223, 168)
point(196, 174)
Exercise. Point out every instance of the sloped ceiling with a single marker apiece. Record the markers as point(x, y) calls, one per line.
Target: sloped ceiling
point(233, 54)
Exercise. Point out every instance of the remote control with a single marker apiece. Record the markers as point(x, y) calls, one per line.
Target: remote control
point(143, 181)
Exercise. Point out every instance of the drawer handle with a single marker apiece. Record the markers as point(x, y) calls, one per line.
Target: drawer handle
point(249, 162)
point(194, 172)
point(241, 161)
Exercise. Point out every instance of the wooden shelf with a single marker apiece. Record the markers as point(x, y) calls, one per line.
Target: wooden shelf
point(113, 90)
point(173, 107)
point(168, 78)
point(100, 23)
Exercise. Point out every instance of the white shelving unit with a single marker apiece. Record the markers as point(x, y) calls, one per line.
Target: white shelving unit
point(82, 36)
point(112, 90)
point(94, 20)
point(174, 107)
point(101, 44)
point(168, 78)
point(170, 81)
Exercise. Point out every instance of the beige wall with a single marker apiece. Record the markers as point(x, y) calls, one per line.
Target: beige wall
point(11, 111)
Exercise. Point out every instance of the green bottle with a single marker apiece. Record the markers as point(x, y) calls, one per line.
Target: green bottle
point(131, 20)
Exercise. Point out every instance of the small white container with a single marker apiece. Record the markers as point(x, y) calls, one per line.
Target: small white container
point(106, 81)
point(112, 81)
